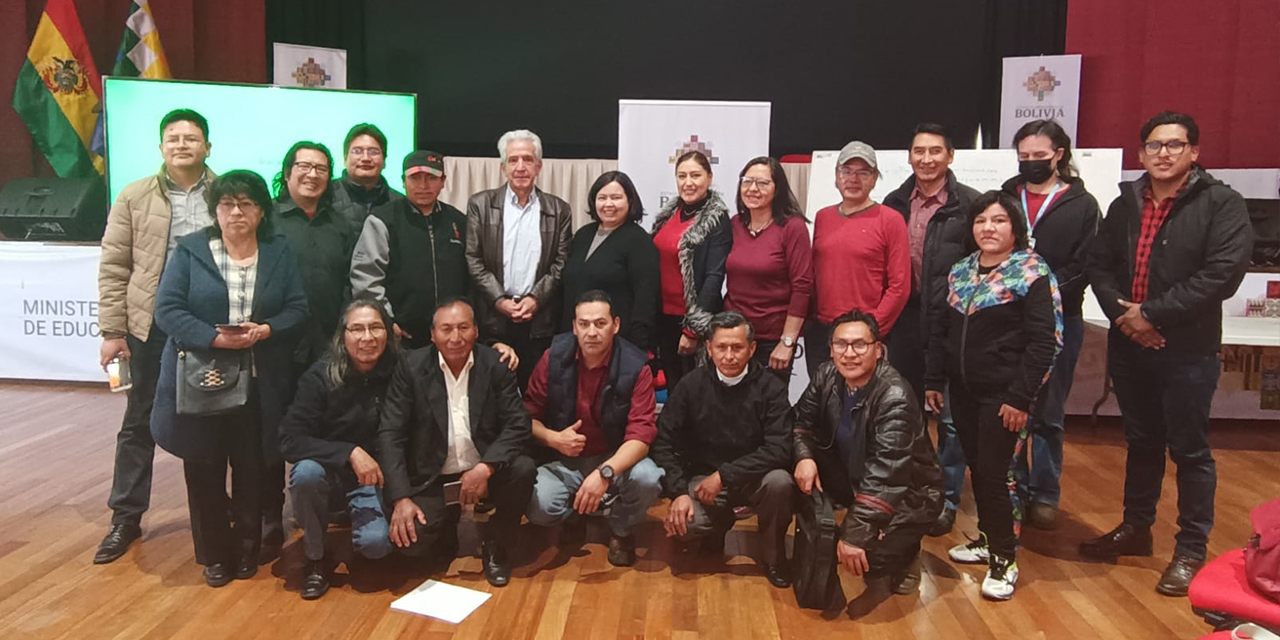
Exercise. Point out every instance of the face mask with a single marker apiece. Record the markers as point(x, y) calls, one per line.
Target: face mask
point(1035, 171)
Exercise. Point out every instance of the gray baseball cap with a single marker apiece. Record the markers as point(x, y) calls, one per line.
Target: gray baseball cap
point(857, 150)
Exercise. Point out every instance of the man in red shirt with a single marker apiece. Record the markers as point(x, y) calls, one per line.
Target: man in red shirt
point(1173, 246)
point(592, 401)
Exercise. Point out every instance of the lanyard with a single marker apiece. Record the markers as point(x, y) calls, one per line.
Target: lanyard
point(1044, 206)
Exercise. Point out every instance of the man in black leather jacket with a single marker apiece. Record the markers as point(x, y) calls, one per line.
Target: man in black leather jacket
point(859, 435)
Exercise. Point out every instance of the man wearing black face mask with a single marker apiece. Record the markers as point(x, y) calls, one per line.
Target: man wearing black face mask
point(1063, 218)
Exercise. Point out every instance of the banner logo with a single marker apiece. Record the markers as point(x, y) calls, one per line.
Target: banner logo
point(63, 76)
point(1041, 83)
point(310, 74)
point(693, 144)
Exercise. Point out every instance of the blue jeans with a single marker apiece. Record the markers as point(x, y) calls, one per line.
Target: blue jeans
point(310, 484)
point(1044, 427)
point(1165, 398)
point(950, 455)
point(636, 489)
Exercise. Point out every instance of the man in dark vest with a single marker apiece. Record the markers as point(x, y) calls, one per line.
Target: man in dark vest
point(724, 442)
point(592, 402)
point(361, 188)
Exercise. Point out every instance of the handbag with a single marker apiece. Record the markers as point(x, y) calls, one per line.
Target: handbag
point(212, 381)
point(817, 583)
point(1262, 554)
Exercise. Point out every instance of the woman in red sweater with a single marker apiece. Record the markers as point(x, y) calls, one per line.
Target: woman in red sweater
point(770, 268)
point(693, 239)
point(861, 255)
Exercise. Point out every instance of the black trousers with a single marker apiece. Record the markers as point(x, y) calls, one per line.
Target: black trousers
point(899, 542)
point(240, 443)
point(135, 450)
point(509, 491)
point(528, 348)
point(907, 346)
point(817, 345)
point(674, 365)
point(988, 447)
point(761, 359)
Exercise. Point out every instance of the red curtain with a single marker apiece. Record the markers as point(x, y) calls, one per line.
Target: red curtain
point(219, 41)
point(1218, 61)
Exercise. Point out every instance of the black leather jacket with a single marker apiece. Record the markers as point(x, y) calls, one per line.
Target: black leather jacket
point(899, 480)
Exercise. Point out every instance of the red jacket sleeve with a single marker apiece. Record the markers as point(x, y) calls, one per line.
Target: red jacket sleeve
point(535, 397)
point(642, 421)
point(898, 272)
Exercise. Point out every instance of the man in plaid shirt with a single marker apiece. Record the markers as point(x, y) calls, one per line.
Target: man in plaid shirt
point(1173, 246)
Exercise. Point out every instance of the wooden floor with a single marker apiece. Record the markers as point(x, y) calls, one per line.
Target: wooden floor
point(56, 448)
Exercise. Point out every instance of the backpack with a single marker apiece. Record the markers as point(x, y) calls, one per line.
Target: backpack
point(817, 583)
point(1262, 555)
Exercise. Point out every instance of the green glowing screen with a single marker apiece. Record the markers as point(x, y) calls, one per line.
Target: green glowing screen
point(250, 126)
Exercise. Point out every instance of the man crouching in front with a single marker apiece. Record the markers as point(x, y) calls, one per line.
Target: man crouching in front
point(453, 415)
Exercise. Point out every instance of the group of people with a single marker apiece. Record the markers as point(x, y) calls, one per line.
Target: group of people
point(409, 359)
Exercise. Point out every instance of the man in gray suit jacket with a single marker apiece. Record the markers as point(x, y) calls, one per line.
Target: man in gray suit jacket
point(517, 243)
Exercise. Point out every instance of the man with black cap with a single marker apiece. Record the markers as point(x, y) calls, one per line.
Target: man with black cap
point(412, 252)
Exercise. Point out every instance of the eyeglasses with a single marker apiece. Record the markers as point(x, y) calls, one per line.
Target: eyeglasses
point(372, 152)
point(759, 183)
point(1174, 147)
point(850, 172)
point(859, 348)
point(307, 167)
point(245, 206)
point(375, 330)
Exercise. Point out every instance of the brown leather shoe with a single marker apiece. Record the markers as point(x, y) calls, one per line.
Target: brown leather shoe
point(1124, 540)
point(1177, 576)
point(622, 551)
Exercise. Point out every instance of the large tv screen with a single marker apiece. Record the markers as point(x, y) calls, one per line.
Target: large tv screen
point(250, 126)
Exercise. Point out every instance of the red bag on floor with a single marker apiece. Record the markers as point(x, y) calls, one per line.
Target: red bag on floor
point(1262, 555)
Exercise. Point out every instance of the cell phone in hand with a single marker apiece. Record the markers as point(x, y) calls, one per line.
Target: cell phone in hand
point(453, 492)
point(231, 328)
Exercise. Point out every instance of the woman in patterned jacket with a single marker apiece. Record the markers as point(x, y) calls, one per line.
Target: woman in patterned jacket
point(995, 342)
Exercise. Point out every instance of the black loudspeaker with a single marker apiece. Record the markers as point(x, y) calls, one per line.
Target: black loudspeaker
point(72, 209)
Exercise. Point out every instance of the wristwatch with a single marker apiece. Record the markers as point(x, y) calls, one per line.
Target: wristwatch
point(788, 341)
point(606, 472)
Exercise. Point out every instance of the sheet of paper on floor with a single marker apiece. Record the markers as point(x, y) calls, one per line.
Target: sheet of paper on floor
point(442, 601)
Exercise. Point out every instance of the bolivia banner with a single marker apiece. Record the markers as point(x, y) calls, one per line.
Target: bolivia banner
point(59, 91)
point(139, 56)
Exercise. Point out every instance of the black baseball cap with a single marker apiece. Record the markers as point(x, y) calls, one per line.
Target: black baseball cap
point(420, 161)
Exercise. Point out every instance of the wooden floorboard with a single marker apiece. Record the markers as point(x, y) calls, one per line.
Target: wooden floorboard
point(57, 444)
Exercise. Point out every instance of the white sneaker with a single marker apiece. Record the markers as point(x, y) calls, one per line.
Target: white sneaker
point(1002, 575)
point(975, 552)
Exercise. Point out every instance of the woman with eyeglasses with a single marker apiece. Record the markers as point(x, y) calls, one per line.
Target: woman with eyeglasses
point(233, 288)
point(861, 255)
point(1063, 218)
point(614, 254)
point(994, 343)
point(693, 238)
point(769, 272)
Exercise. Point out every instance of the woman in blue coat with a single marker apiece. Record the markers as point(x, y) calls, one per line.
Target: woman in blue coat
point(235, 272)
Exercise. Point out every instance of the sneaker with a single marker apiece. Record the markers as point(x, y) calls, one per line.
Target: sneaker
point(1002, 575)
point(975, 552)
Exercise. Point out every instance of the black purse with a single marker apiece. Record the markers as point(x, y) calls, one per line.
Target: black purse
point(817, 583)
point(213, 381)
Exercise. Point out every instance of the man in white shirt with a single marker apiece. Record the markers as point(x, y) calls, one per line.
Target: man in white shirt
point(453, 415)
point(517, 243)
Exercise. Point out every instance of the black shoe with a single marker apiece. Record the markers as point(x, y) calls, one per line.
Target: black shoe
point(622, 550)
point(217, 575)
point(907, 581)
point(778, 574)
point(946, 520)
point(1042, 516)
point(1124, 540)
point(246, 568)
point(116, 542)
point(497, 568)
point(1177, 576)
point(315, 580)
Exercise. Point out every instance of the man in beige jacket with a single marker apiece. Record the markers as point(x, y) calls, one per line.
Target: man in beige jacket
point(145, 223)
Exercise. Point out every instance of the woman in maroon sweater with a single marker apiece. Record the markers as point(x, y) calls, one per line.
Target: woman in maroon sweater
point(770, 271)
point(861, 255)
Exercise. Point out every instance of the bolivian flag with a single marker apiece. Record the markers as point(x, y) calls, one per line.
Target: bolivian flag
point(59, 92)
